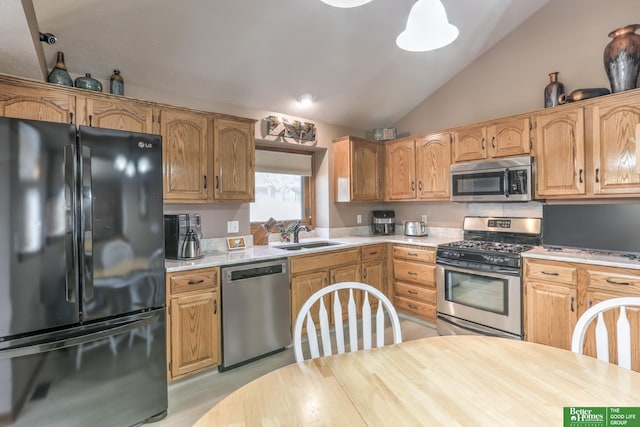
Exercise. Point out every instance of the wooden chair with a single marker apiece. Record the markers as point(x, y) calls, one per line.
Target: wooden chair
point(305, 315)
point(602, 337)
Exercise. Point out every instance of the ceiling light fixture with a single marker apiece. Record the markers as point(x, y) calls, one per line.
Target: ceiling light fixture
point(306, 99)
point(427, 28)
point(345, 3)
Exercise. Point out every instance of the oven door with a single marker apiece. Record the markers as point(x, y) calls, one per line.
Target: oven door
point(482, 301)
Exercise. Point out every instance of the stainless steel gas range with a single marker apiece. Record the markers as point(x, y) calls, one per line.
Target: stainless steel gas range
point(478, 279)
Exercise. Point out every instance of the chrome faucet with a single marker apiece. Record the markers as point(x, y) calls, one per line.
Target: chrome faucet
point(296, 231)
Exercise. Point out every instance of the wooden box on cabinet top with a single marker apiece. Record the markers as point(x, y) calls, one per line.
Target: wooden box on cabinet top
point(193, 336)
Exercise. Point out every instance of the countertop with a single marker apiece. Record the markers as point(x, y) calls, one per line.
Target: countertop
point(583, 256)
point(264, 253)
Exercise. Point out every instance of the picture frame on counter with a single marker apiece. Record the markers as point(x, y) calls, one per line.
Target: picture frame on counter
point(236, 243)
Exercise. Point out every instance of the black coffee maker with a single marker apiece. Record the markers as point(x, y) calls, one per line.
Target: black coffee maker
point(182, 234)
point(383, 222)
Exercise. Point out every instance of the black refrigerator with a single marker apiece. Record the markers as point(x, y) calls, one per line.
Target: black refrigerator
point(82, 293)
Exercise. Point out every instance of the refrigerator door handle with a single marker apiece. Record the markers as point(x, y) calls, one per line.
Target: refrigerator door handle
point(80, 339)
point(87, 224)
point(70, 210)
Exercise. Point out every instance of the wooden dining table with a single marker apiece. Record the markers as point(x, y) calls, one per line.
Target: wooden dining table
point(461, 380)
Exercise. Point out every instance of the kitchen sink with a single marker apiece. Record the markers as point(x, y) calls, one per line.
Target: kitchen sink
point(310, 245)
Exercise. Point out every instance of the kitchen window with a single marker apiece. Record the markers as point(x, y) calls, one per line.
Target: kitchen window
point(284, 187)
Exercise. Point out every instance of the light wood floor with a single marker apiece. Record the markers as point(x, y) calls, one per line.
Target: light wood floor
point(191, 398)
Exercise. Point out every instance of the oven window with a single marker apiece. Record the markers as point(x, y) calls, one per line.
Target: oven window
point(477, 291)
point(478, 184)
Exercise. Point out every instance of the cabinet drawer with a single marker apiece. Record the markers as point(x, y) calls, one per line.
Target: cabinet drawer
point(551, 272)
point(423, 274)
point(413, 292)
point(195, 280)
point(415, 254)
point(322, 261)
point(373, 252)
point(616, 281)
point(420, 309)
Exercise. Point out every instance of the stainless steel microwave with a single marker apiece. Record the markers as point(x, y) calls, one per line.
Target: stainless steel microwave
point(500, 180)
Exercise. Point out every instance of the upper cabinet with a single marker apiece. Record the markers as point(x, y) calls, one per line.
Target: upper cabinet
point(616, 135)
point(36, 103)
point(234, 160)
point(120, 114)
point(185, 150)
point(358, 168)
point(560, 153)
point(498, 138)
point(433, 158)
point(401, 169)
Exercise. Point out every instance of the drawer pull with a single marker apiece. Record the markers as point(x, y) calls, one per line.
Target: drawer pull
point(373, 253)
point(412, 306)
point(613, 282)
point(412, 273)
point(412, 292)
point(412, 254)
point(553, 273)
point(196, 282)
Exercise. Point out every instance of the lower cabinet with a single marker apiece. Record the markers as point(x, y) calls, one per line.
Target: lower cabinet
point(373, 270)
point(193, 332)
point(414, 281)
point(558, 293)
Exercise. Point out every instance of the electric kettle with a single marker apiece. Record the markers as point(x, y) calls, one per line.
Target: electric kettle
point(191, 245)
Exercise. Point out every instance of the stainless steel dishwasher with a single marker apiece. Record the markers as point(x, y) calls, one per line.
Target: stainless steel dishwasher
point(256, 319)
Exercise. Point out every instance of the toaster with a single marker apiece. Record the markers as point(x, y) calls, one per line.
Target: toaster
point(415, 228)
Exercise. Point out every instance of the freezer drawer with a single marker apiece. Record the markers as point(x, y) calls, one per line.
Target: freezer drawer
point(108, 375)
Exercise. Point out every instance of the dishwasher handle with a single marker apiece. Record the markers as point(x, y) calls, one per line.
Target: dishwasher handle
point(253, 272)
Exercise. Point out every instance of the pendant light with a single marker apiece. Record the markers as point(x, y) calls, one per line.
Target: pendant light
point(346, 3)
point(427, 28)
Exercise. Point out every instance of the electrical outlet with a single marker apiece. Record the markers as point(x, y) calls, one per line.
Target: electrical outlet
point(359, 219)
point(233, 226)
point(424, 219)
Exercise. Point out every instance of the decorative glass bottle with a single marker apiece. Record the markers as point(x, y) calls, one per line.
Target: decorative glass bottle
point(88, 82)
point(116, 85)
point(59, 74)
point(553, 91)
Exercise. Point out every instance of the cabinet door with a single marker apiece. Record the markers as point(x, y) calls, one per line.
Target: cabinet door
point(119, 114)
point(616, 134)
point(374, 274)
point(510, 138)
point(347, 273)
point(302, 287)
point(550, 313)
point(36, 104)
point(610, 319)
point(470, 144)
point(401, 170)
point(433, 158)
point(194, 333)
point(234, 156)
point(185, 154)
point(559, 150)
point(366, 170)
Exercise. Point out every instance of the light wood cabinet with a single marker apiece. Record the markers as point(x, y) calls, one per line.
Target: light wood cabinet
point(616, 135)
point(234, 160)
point(185, 150)
point(120, 114)
point(358, 169)
point(499, 138)
point(401, 170)
point(193, 331)
point(558, 293)
point(23, 102)
point(414, 285)
point(433, 159)
point(560, 153)
point(374, 270)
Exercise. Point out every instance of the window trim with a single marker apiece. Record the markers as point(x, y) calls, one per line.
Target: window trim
point(309, 196)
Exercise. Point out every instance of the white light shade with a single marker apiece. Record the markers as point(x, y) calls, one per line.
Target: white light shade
point(346, 3)
point(306, 99)
point(427, 28)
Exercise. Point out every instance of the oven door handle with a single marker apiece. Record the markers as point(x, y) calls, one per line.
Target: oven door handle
point(476, 268)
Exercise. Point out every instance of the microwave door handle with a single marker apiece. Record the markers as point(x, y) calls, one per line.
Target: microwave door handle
point(86, 249)
point(506, 184)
